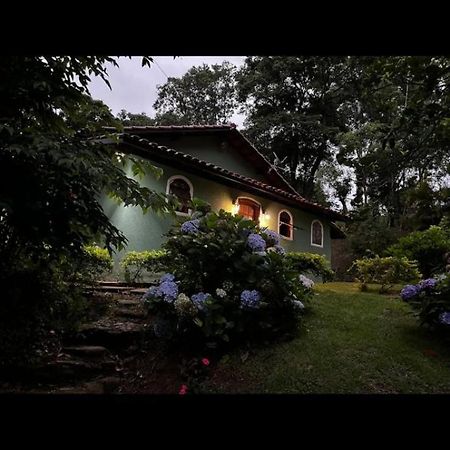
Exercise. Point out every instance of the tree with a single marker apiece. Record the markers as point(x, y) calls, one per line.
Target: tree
point(400, 133)
point(129, 119)
point(295, 110)
point(52, 173)
point(204, 95)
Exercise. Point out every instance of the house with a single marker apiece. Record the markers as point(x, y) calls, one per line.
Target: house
point(216, 163)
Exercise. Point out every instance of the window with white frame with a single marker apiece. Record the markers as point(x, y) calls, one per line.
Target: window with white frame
point(285, 224)
point(182, 188)
point(317, 233)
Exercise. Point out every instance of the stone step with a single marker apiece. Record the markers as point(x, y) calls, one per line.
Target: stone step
point(118, 289)
point(108, 333)
point(129, 303)
point(130, 313)
point(125, 284)
point(72, 369)
point(139, 291)
point(87, 351)
point(107, 385)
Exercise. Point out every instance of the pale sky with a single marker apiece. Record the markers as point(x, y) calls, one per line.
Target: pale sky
point(134, 87)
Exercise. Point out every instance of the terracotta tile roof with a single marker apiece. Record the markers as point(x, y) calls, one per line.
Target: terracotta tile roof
point(151, 148)
point(236, 138)
point(230, 126)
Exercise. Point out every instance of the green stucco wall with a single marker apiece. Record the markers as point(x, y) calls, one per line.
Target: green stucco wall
point(145, 231)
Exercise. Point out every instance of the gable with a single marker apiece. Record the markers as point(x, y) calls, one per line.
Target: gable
point(222, 145)
point(214, 149)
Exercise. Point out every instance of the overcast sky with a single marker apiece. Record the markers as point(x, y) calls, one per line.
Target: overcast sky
point(134, 87)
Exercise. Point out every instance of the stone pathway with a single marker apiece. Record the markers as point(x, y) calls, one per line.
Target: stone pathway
point(92, 360)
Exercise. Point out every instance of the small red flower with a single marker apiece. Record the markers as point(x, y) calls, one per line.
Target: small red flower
point(205, 361)
point(183, 389)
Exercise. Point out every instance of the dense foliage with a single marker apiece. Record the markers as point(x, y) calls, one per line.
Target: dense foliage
point(384, 271)
point(426, 247)
point(431, 301)
point(135, 264)
point(311, 263)
point(228, 279)
point(203, 95)
point(51, 176)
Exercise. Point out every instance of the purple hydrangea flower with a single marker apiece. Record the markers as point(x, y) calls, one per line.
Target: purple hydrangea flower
point(167, 277)
point(191, 226)
point(429, 283)
point(445, 318)
point(409, 292)
point(273, 237)
point(250, 299)
point(256, 242)
point(169, 290)
point(199, 300)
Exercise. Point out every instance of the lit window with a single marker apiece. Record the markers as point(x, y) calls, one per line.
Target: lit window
point(181, 188)
point(317, 234)
point(249, 209)
point(285, 224)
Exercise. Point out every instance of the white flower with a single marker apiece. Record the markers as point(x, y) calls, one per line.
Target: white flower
point(220, 293)
point(298, 304)
point(306, 281)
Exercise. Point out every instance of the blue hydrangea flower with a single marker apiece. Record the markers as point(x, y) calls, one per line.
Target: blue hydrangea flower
point(279, 249)
point(167, 277)
point(199, 300)
point(191, 226)
point(273, 237)
point(429, 283)
point(153, 291)
point(409, 292)
point(169, 290)
point(250, 299)
point(256, 242)
point(445, 318)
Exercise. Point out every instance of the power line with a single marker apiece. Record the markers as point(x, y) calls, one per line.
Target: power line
point(160, 68)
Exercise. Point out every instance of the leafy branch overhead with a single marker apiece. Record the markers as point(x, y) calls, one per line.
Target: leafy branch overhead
point(47, 121)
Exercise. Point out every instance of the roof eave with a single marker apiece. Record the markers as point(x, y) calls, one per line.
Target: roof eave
point(206, 172)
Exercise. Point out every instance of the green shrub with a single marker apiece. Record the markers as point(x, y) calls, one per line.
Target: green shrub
point(135, 263)
point(426, 247)
point(318, 265)
point(229, 279)
point(95, 262)
point(430, 300)
point(384, 271)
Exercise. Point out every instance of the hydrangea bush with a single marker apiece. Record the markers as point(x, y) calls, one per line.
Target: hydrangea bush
point(431, 300)
point(227, 279)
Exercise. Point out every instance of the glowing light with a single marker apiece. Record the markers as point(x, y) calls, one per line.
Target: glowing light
point(264, 218)
point(235, 208)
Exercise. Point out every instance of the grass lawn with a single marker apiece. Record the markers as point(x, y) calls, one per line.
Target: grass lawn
point(350, 342)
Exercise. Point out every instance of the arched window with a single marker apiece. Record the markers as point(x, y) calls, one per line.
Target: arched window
point(316, 233)
point(182, 188)
point(286, 224)
point(249, 209)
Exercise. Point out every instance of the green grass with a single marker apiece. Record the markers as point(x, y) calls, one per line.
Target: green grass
point(349, 342)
